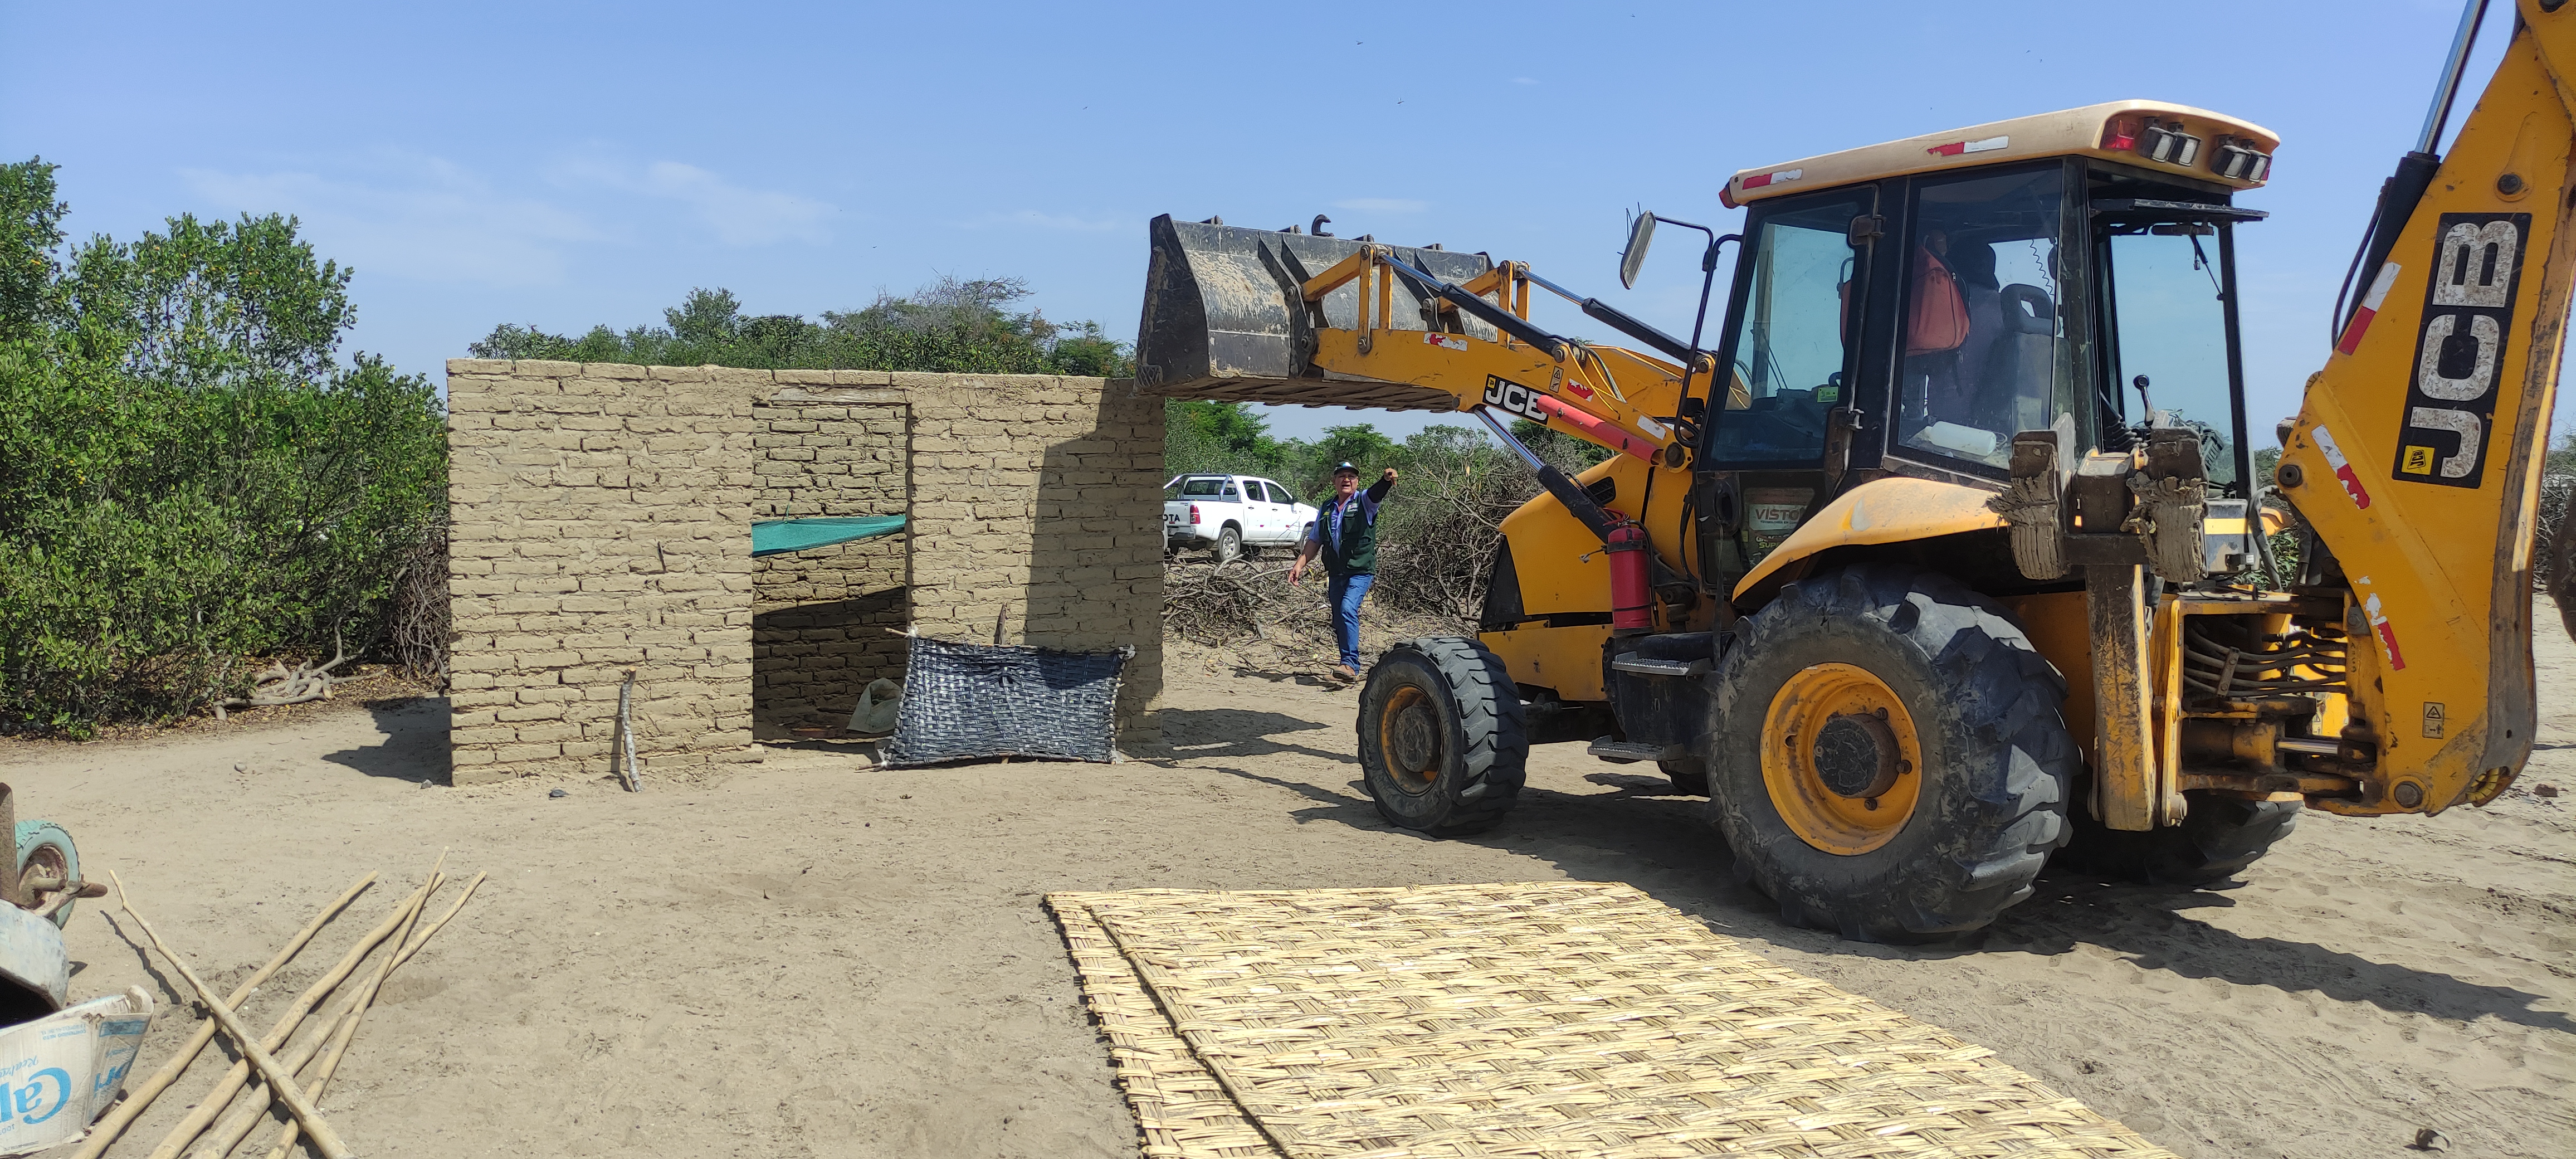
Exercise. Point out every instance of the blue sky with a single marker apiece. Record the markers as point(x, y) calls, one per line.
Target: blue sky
point(566, 164)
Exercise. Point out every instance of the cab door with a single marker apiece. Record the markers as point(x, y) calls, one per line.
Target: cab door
point(1795, 384)
point(1263, 512)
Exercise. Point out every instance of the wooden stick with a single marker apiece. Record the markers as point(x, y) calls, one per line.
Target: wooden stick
point(324, 1137)
point(213, 1102)
point(251, 1108)
point(123, 1114)
point(245, 1117)
point(349, 1026)
point(247, 1111)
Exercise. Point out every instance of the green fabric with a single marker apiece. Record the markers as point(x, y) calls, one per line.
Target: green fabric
point(773, 536)
point(1356, 551)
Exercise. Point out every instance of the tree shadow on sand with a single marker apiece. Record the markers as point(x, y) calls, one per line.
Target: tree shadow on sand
point(1642, 834)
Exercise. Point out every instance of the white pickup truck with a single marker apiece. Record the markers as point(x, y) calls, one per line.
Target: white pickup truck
point(1234, 514)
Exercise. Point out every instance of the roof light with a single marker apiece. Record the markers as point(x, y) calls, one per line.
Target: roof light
point(2116, 136)
point(2167, 143)
point(2237, 160)
point(1956, 148)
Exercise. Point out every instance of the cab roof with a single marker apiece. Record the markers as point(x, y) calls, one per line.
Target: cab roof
point(2112, 131)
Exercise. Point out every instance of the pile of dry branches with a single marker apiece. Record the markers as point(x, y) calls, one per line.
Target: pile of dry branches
point(416, 625)
point(1225, 604)
point(278, 684)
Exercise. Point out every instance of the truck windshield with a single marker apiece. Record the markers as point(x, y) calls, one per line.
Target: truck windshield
point(2168, 335)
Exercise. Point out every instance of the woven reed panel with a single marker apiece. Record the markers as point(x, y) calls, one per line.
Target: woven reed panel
point(1553, 1019)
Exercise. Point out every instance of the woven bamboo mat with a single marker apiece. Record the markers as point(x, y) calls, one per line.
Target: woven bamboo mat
point(1553, 1019)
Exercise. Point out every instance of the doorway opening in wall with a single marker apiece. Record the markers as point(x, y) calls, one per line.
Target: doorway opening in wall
point(831, 568)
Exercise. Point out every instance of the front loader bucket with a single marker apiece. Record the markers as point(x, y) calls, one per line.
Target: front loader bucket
point(1226, 318)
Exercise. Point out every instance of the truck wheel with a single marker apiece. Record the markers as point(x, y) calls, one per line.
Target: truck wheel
point(1887, 756)
point(2217, 839)
point(1690, 778)
point(46, 851)
point(1229, 544)
point(1441, 745)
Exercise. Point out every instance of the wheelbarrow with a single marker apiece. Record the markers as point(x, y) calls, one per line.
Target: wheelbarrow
point(35, 972)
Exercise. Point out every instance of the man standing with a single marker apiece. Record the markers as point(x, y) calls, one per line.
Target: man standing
point(1345, 534)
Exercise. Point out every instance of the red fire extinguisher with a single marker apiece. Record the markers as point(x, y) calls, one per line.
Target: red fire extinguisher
point(1631, 595)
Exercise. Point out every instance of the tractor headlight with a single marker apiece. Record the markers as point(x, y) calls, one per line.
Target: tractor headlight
point(2236, 159)
point(2167, 143)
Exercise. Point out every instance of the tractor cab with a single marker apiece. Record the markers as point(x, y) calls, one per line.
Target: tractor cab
point(1910, 308)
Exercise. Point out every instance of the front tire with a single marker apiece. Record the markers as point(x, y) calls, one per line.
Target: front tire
point(1441, 744)
point(1887, 755)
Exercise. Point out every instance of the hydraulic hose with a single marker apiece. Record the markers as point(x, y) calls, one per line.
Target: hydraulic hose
point(1585, 511)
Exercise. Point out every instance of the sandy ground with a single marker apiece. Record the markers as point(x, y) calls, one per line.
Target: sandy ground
point(809, 959)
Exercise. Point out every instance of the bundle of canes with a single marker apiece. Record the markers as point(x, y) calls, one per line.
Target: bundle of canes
point(324, 1138)
point(343, 1025)
point(279, 1075)
point(113, 1124)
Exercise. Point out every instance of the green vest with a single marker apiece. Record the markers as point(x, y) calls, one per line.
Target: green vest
point(1355, 552)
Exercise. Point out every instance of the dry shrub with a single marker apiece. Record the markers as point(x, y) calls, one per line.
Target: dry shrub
point(417, 628)
point(2555, 491)
point(1248, 616)
point(1438, 532)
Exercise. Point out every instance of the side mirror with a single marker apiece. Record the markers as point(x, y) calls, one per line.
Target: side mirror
point(1641, 230)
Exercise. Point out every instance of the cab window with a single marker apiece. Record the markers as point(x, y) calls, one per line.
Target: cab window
point(2168, 336)
point(1791, 346)
point(1981, 318)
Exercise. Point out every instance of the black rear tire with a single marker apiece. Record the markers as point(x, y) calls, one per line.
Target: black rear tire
point(2217, 839)
point(1985, 717)
point(1441, 743)
point(1229, 544)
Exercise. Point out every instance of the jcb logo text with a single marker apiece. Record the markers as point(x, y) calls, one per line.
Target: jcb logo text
point(2460, 353)
point(1513, 397)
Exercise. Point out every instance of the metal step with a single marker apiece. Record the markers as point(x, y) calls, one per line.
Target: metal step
point(1625, 753)
point(1684, 669)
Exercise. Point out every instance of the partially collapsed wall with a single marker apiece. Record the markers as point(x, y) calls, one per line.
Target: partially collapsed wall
point(601, 524)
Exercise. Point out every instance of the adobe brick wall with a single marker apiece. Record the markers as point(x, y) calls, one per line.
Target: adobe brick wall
point(601, 521)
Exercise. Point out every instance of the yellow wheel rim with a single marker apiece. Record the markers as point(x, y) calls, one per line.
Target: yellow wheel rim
point(1410, 737)
point(1841, 759)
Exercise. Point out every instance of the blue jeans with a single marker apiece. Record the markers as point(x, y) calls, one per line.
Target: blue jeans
point(1343, 595)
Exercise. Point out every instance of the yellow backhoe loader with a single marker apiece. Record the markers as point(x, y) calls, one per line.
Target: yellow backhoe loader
point(1944, 554)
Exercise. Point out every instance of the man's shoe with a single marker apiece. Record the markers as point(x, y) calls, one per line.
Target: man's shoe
point(1345, 673)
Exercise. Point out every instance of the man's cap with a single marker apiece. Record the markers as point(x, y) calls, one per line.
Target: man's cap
point(1346, 467)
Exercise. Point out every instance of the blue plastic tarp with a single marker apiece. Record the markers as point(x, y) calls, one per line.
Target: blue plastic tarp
point(773, 536)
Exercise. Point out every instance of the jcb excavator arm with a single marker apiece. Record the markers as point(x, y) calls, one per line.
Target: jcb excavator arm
point(2416, 454)
point(1292, 317)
